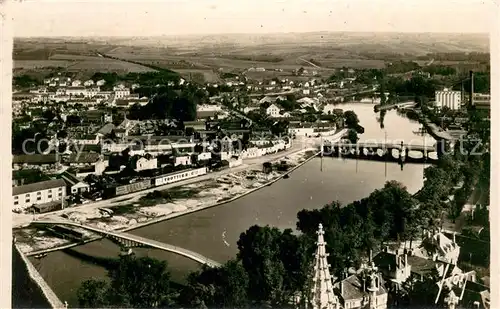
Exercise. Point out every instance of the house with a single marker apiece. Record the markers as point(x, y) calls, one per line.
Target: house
point(394, 266)
point(182, 160)
point(76, 83)
point(40, 160)
point(88, 83)
point(88, 139)
point(73, 184)
point(39, 193)
point(439, 247)
point(195, 125)
point(206, 114)
point(267, 99)
point(365, 289)
point(250, 108)
point(143, 163)
point(82, 159)
point(100, 82)
point(306, 129)
point(121, 92)
point(273, 111)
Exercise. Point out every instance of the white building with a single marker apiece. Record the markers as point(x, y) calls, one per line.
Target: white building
point(76, 83)
point(76, 91)
point(88, 83)
point(450, 99)
point(182, 160)
point(39, 193)
point(121, 92)
point(144, 163)
point(273, 111)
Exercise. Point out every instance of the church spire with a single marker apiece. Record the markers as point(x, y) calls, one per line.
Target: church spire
point(322, 291)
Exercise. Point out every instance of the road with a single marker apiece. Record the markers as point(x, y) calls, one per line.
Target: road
point(299, 144)
point(309, 62)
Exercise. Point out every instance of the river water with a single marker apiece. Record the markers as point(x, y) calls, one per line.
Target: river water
point(214, 232)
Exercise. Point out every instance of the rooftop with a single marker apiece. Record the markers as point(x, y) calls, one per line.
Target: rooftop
point(35, 159)
point(37, 186)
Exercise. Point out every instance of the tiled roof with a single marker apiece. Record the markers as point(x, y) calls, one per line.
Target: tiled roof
point(37, 186)
point(84, 157)
point(205, 114)
point(35, 159)
point(420, 265)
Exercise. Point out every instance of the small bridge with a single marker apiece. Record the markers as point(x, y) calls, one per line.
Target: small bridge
point(126, 240)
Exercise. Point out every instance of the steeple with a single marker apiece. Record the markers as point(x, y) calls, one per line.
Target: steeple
point(322, 291)
point(451, 300)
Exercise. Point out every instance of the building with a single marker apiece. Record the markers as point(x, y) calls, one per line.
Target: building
point(73, 184)
point(439, 247)
point(144, 163)
point(182, 160)
point(481, 100)
point(121, 92)
point(39, 193)
point(76, 91)
point(450, 99)
point(273, 111)
point(365, 289)
point(394, 266)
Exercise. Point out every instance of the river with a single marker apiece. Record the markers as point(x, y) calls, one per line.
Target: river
point(276, 205)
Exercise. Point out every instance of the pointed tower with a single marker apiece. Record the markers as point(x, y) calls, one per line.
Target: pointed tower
point(322, 291)
point(451, 300)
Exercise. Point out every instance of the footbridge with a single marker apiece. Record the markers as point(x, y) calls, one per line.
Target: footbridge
point(127, 240)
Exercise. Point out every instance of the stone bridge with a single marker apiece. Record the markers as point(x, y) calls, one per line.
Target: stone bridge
point(382, 151)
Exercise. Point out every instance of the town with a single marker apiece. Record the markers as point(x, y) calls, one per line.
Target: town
point(100, 154)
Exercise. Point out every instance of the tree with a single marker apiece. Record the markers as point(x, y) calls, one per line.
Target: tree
point(140, 283)
point(93, 294)
point(260, 255)
point(351, 119)
point(353, 136)
point(223, 287)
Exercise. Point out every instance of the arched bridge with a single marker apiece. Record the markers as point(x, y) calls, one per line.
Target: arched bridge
point(129, 240)
point(377, 150)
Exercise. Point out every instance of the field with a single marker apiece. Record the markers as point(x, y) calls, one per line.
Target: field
point(41, 64)
point(203, 56)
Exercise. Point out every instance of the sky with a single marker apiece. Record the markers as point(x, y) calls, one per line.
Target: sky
point(180, 17)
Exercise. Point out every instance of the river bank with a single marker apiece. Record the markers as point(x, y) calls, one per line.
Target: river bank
point(158, 206)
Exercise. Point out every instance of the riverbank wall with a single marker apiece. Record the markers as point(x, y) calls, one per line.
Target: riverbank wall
point(29, 289)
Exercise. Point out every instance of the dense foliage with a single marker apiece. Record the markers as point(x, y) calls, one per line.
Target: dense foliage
point(134, 283)
point(170, 103)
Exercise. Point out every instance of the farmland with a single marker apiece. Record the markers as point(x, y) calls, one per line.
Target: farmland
point(202, 57)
